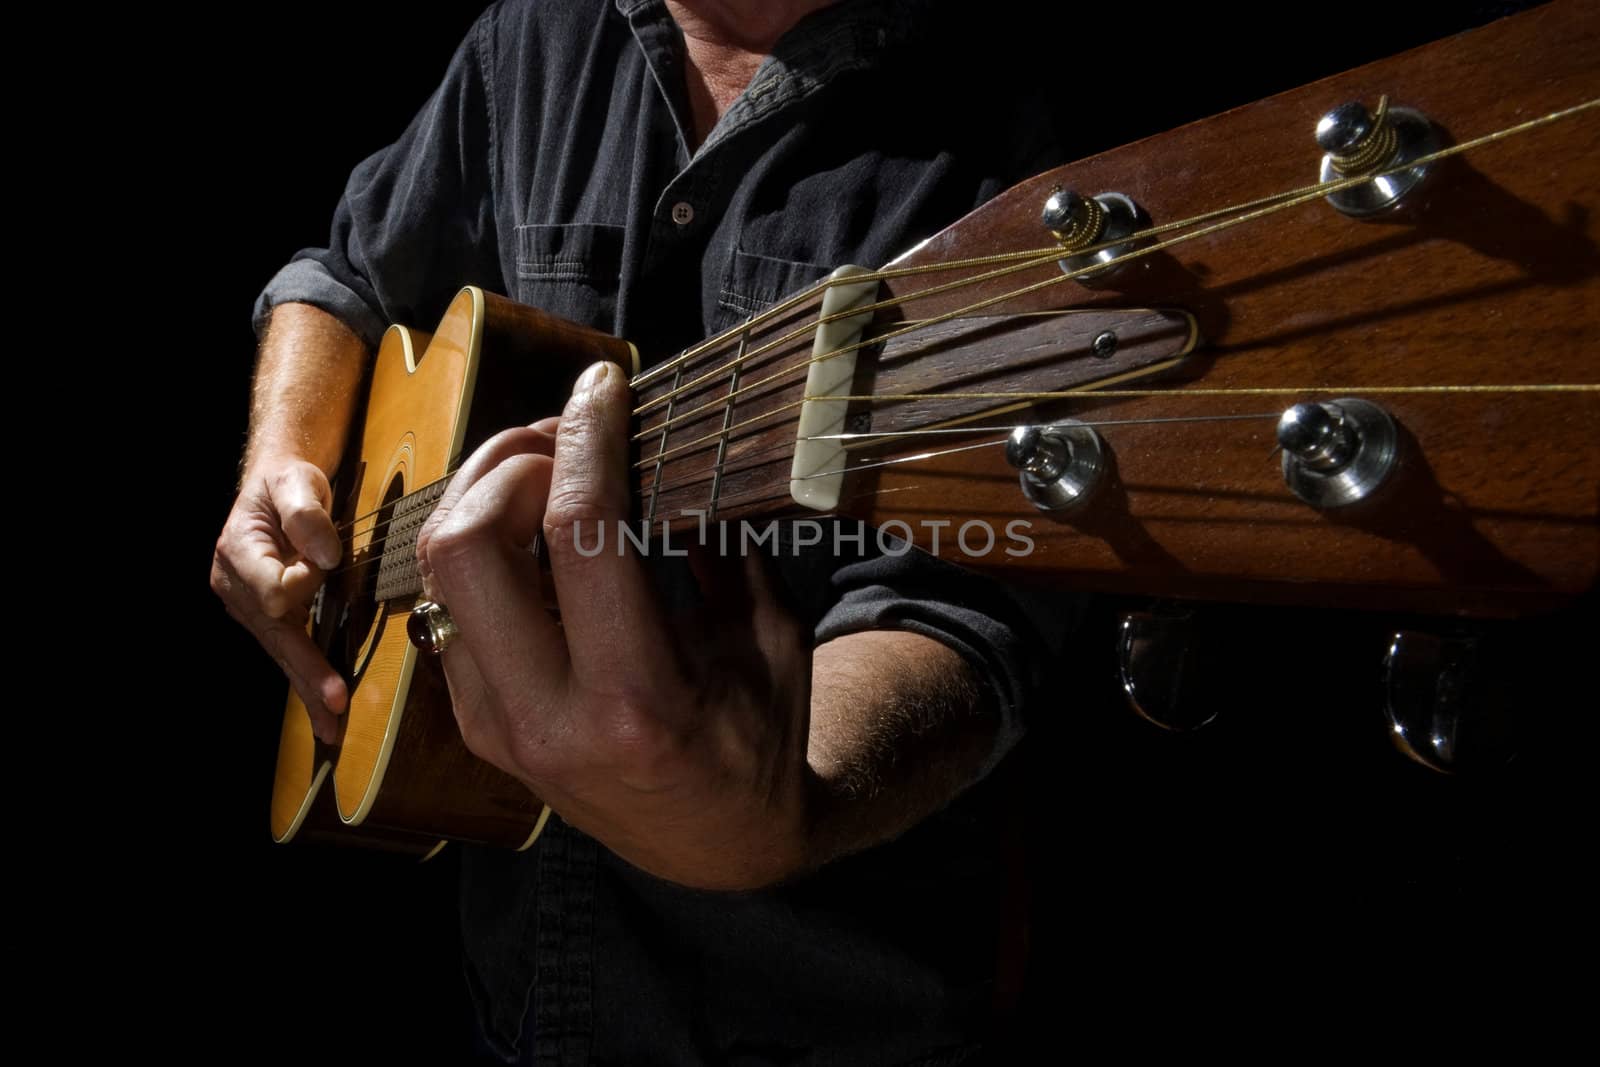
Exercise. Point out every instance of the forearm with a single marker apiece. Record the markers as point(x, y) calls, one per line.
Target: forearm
point(305, 390)
point(899, 725)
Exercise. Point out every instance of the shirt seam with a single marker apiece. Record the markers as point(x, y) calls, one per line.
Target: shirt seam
point(485, 49)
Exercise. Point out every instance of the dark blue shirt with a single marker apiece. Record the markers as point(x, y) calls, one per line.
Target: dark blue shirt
point(555, 164)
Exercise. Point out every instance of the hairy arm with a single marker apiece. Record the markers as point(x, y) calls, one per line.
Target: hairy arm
point(899, 725)
point(279, 538)
point(305, 388)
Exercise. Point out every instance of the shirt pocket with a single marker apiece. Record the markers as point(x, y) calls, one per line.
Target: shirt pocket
point(755, 282)
point(571, 270)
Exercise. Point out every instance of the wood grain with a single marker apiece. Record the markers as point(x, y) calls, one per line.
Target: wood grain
point(1487, 276)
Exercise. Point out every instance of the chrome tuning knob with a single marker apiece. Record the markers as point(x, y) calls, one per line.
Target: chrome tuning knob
point(1081, 222)
point(1060, 466)
point(1338, 452)
point(1358, 142)
point(1447, 707)
point(1158, 657)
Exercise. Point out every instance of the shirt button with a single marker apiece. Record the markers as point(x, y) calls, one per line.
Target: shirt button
point(683, 213)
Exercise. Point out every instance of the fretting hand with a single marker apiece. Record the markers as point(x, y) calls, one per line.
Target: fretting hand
point(682, 748)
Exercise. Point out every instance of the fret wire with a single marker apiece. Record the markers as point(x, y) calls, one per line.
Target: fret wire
point(749, 461)
point(661, 451)
point(727, 422)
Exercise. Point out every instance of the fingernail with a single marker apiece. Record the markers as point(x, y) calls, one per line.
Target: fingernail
point(592, 377)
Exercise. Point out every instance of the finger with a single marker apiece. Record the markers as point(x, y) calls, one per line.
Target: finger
point(482, 569)
point(614, 625)
point(301, 496)
point(745, 604)
point(521, 440)
point(773, 614)
point(482, 730)
point(251, 558)
point(299, 582)
point(320, 687)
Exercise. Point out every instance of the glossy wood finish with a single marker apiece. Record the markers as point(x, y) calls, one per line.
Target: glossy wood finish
point(1487, 276)
point(303, 809)
point(401, 765)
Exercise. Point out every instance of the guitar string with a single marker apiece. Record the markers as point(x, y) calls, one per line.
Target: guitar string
point(1054, 252)
point(1304, 197)
point(1272, 204)
point(706, 474)
point(1279, 201)
point(1119, 394)
point(1301, 195)
point(868, 438)
point(780, 487)
point(888, 436)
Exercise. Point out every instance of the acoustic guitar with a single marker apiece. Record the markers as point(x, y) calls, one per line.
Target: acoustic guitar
point(1340, 347)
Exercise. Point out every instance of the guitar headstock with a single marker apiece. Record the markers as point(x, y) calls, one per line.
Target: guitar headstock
point(1394, 400)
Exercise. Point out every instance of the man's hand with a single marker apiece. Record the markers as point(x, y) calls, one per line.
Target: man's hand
point(681, 747)
point(275, 547)
point(278, 541)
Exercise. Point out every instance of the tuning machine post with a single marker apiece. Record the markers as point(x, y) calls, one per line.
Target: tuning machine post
point(1358, 142)
point(1082, 223)
point(1337, 452)
point(1060, 466)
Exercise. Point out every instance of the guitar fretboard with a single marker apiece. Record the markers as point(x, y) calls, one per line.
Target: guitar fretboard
point(397, 567)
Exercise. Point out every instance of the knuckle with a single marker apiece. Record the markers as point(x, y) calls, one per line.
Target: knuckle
point(274, 602)
point(453, 545)
point(297, 484)
point(569, 504)
point(508, 441)
point(304, 514)
point(636, 741)
point(221, 580)
point(430, 528)
point(568, 510)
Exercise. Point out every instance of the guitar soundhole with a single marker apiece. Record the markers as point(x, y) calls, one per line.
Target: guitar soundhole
point(352, 619)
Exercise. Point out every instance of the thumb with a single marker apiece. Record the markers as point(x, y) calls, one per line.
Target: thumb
point(302, 497)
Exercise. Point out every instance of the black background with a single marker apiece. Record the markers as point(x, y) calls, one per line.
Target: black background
point(1284, 867)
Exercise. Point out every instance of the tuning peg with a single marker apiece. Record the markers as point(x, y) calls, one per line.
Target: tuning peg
point(1079, 222)
point(1337, 452)
point(1448, 707)
point(1157, 659)
point(1060, 465)
point(1357, 142)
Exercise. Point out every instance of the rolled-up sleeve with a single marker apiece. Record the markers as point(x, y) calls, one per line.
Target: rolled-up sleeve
point(417, 220)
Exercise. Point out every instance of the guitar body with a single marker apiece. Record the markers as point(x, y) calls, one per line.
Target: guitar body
point(401, 776)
